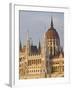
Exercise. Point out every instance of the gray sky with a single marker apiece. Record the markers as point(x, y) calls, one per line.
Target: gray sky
point(36, 23)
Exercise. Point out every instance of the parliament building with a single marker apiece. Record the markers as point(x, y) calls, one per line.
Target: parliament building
point(44, 61)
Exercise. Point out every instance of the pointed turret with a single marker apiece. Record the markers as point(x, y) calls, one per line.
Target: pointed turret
point(39, 48)
point(20, 47)
point(39, 45)
point(28, 44)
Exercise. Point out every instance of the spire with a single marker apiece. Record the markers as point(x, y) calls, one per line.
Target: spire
point(39, 47)
point(27, 35)
point(51, 22)
point(31, 42)
point(28, 44)
point(20, 46)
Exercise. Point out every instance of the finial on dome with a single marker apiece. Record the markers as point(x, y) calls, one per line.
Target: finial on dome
point(51, 22)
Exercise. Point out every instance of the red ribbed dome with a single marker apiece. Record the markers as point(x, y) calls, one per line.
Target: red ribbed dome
point(52, 33)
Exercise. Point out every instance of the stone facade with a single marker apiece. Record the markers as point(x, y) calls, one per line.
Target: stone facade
point(45, 61)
